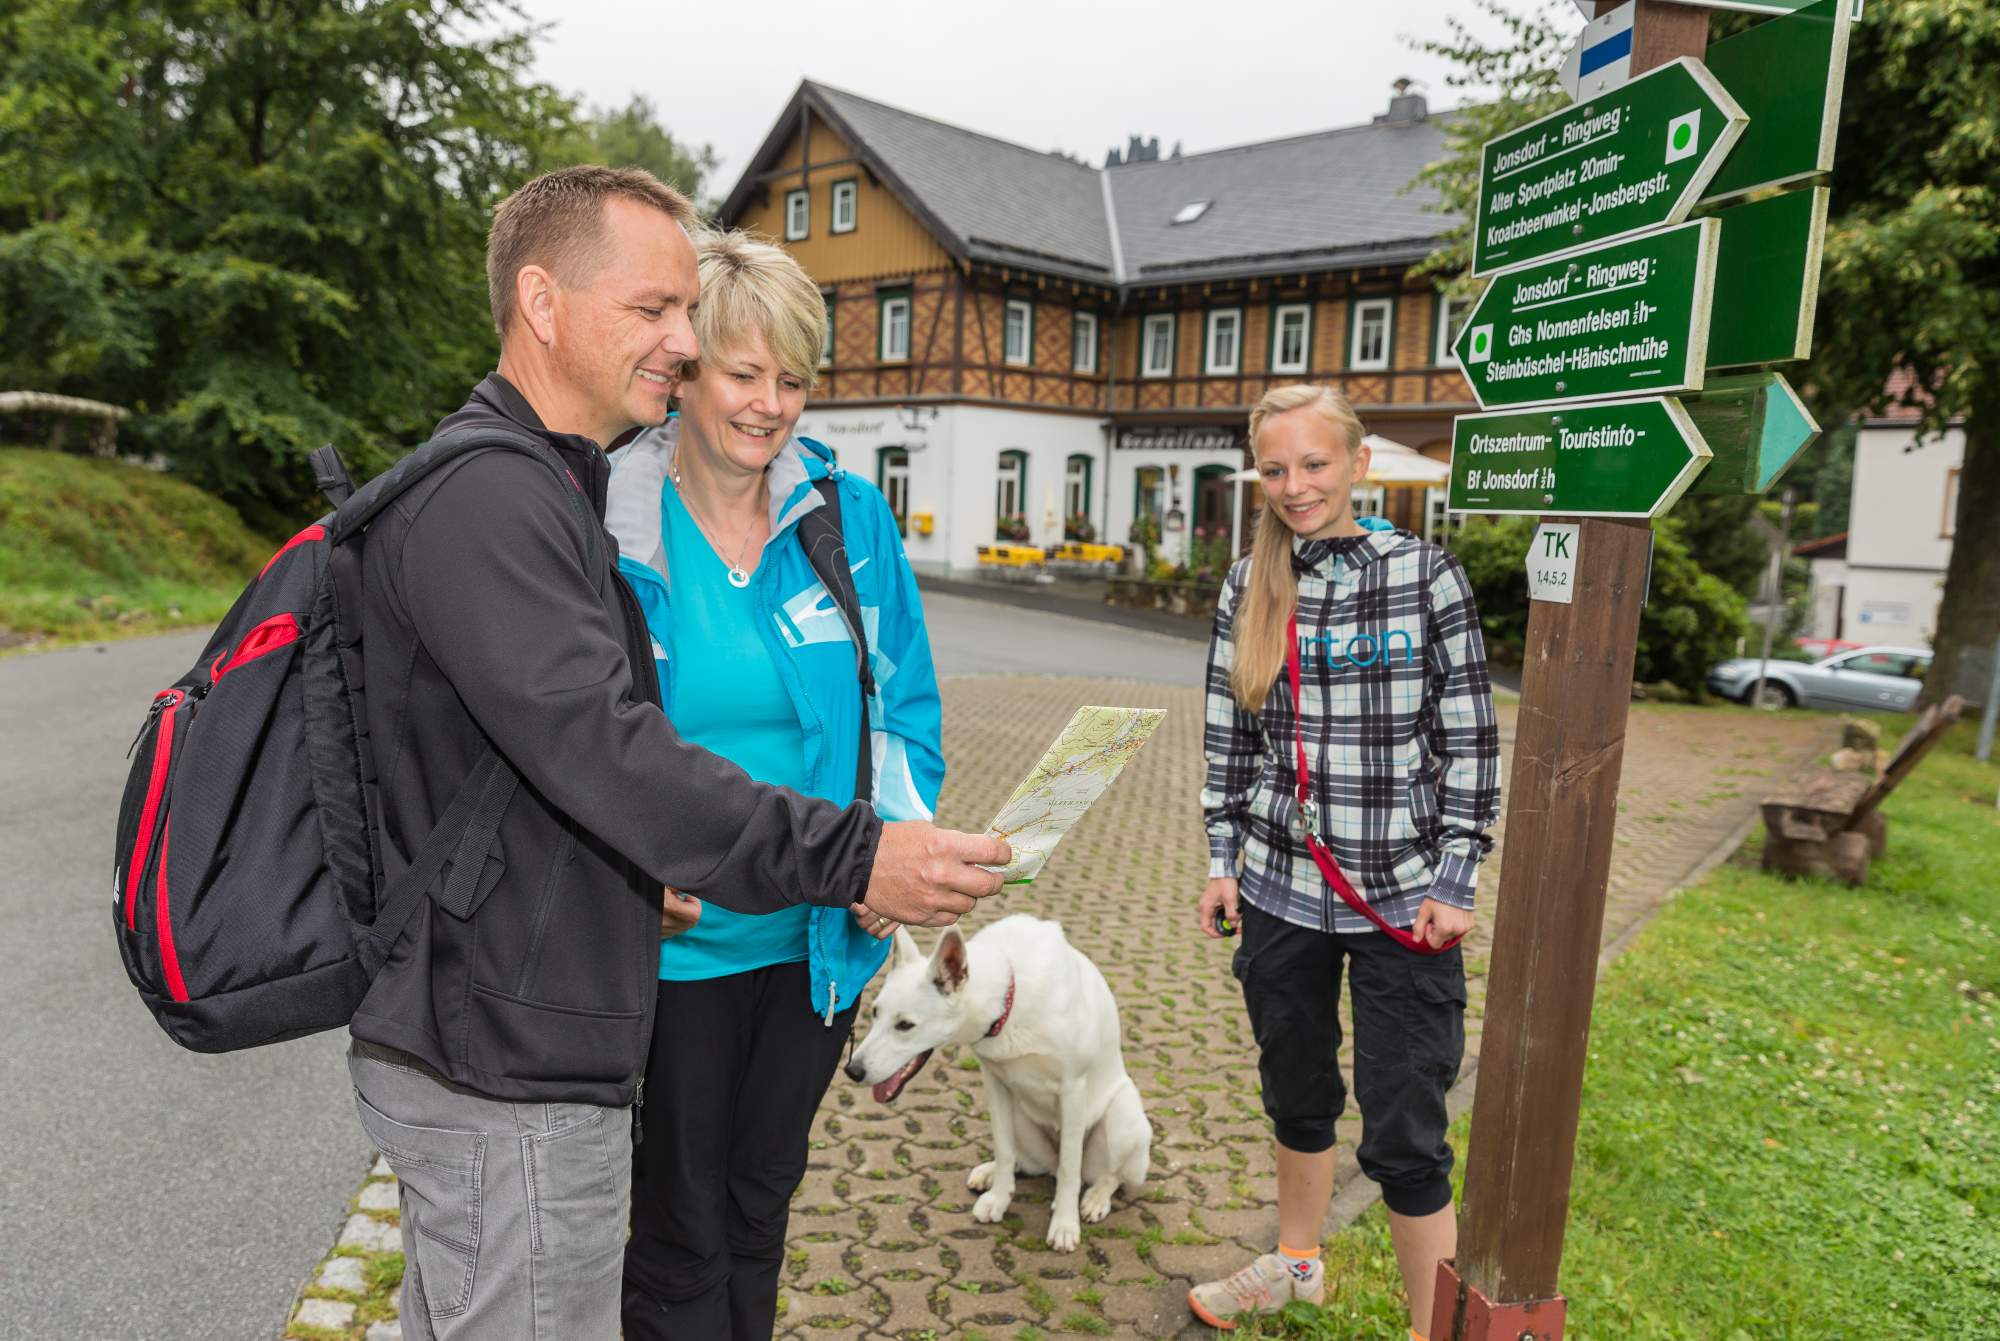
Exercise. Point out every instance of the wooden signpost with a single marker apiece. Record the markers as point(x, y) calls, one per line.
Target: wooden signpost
point(1597, 465)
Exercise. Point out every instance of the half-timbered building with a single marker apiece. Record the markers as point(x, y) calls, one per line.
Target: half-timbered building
point(1023, 346)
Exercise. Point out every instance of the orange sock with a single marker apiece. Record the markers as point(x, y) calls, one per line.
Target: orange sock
point(1415, 1335)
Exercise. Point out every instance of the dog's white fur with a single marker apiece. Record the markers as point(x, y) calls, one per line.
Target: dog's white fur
point(1055, 1076)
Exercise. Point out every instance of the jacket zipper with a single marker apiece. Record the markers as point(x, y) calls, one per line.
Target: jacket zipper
point(170, 960)
point(639, 647)
point(167, 703)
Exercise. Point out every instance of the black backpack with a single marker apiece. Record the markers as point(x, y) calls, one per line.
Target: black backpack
point(248, 899)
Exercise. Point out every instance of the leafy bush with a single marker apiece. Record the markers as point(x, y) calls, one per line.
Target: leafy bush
point(1077, 527)
point(1692, 618)
point(1014, 528)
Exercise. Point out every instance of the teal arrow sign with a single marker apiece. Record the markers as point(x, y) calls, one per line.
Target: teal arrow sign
point(1614, 320)
point(1757, 427)
point(1788, 75)
point(1767, 279)
point(1629, 458)
point(1634, 158)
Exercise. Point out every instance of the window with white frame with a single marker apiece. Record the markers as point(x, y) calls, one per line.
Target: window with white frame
point(895, 328)
point(1450, 322)
point(1371, 334)
point(1010, 494)
point(1076, 493)
point(843, 206)
point(826, 336)
point(892, 474)
point(1291, 337)
point(1019, 332)
point(798, 213)
point(1225, 342)
point(1437, 514)
point(1083, 343)
point(1368, 500)
point(1156, 353)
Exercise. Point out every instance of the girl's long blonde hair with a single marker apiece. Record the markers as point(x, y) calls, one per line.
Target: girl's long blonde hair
point(1270, 591)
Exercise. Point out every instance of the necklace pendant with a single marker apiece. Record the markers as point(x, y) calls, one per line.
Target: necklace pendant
point(737, 577)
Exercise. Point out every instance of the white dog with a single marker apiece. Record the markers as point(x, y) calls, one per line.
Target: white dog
point(1044, 1026)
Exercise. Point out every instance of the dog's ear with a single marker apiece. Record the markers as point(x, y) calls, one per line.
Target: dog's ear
point(906, 949)
point(948, 969)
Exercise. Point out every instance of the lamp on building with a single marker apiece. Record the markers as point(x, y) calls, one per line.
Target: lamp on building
point(916, 419)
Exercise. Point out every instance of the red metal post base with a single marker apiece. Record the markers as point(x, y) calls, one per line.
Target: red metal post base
point(1461, 1313)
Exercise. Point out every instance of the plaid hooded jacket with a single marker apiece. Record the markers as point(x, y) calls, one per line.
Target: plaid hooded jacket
point(1399, 732)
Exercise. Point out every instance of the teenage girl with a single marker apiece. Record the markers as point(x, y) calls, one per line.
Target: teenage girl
point(1353, 771)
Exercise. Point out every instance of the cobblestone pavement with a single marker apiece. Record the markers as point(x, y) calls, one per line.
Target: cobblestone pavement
point(883, 1244)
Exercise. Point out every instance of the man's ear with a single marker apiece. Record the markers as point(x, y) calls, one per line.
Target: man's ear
point(906, 949)
point(535, 302)
point(948, 969)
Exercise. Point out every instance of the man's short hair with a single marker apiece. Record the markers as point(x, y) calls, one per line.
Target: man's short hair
point(556, 221)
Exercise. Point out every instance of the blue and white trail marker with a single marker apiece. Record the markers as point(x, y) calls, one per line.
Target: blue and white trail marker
point(1601, 60)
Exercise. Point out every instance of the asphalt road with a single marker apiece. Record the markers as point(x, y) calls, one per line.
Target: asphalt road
point(155, 1193)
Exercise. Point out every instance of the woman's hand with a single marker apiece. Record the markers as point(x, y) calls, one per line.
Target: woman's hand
point(1218, 898)
point(678, 912)
point(872, 922)
point(1438, 923)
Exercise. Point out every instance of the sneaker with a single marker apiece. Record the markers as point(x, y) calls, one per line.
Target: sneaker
point(1266, 1285)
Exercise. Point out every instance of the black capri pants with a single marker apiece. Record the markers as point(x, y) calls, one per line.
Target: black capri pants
point(1409, 1038)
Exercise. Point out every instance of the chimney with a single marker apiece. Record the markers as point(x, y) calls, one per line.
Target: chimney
point(1405, 108)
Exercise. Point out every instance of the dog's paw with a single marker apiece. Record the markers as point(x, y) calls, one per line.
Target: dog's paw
point(992, 1206)
point(981, 1177)
point(1096, 1202)
point(1064, 1233)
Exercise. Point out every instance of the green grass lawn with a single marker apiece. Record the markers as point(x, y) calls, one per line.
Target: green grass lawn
point(94, 549)
point(1791, 1120)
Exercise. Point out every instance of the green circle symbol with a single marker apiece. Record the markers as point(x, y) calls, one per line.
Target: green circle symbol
point(1479, 343)
point(1683, 133)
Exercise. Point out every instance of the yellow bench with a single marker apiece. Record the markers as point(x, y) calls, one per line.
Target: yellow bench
point(1089, 552)
point(1012, 556)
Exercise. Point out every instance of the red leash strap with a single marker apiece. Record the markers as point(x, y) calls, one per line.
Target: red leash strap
point(1309, 817)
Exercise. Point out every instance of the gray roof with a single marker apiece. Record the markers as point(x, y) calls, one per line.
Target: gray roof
point(1340, 196)
point(1335, 198)
point(1001, 201)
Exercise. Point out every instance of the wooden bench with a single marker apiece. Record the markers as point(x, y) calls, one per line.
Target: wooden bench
point(1020, 560)
point(1829, 822)
point(1089, 554)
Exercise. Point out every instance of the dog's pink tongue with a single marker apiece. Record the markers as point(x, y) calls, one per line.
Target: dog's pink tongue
point(886, 1090)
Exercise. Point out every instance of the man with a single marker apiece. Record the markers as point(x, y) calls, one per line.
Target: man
point(496, 1058)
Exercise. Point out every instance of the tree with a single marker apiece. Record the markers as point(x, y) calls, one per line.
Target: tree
point(632, 137)
point(260, 226)
point(1912, 275)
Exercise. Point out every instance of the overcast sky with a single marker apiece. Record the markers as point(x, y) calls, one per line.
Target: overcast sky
point(1078, 75)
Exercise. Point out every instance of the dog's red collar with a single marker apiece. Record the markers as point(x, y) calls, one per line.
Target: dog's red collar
point(1006, 1009)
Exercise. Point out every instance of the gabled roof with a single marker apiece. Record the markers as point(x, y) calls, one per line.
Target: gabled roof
point(1335, 198)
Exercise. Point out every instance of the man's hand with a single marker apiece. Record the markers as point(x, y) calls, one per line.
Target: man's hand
point(872, 922)
point(1440, 922)
point(925, 876)
point(1219, 898)
point(678, 912)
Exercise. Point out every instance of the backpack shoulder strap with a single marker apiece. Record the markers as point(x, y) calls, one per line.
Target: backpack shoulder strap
point(353, 516)
point(825, 542)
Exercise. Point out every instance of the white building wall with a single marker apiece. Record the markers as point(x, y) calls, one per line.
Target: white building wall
point(1898, 545)
point(1180, 466)
point(1896, 516)
point(1892, 605)
point(954, 469)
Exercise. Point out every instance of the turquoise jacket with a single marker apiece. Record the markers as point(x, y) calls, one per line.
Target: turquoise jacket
point(807, 637)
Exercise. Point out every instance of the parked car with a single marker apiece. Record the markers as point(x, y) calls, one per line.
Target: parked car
point(1886, 679)
point(1826, 647)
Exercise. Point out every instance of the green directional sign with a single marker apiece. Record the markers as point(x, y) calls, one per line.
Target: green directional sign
point(1634, 158)
point(1757, 427)
point(1767, 279)
point(1788, 76)
point(1629, 458)
point(1615, 320)
point(1767, 6)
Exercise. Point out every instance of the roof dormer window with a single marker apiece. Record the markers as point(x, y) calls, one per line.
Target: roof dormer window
point(1191, 211)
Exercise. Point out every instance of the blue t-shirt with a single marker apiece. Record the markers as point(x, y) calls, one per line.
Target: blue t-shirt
point(727, 698)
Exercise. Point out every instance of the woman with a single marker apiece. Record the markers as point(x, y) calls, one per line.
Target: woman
point(756, 663)
point(1353, 770)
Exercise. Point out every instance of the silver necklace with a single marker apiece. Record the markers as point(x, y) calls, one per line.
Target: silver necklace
point(738, 575)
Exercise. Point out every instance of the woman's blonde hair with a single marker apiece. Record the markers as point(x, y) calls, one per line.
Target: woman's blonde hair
point(751, 286)
point(1270, 590)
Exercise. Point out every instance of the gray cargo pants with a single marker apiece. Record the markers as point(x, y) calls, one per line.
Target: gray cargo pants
point(514, 1215)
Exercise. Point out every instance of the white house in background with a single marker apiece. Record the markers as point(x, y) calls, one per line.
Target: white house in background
point(1887, 586)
